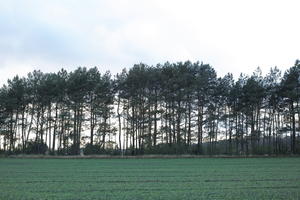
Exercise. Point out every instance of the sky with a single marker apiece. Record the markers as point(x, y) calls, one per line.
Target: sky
point(233, 36)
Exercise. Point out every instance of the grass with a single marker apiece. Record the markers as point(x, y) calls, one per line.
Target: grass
point(184, 178)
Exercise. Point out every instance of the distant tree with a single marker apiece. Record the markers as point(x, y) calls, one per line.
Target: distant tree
point(290, 92)
point(173, 108)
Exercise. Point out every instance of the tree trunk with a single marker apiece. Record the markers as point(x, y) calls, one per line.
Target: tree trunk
point(293, 138)
point(119, 121)
point(55, 127)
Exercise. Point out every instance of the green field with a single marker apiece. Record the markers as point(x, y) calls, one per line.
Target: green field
point(206, 178)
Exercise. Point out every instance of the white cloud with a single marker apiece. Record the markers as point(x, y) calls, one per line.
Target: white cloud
point(234, 36)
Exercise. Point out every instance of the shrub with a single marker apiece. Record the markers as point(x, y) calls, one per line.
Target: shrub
point(36, 147)
point(90, 149)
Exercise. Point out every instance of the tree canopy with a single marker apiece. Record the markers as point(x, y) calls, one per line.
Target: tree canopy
point(170, 108)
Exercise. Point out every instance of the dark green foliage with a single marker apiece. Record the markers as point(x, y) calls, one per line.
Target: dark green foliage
point(171, 108)
point(90, 149)
point(35, 147)
point(99, 150)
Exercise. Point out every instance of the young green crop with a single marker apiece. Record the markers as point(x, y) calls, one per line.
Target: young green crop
point(208, 178)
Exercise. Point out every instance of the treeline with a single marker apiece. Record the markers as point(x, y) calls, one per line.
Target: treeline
point(174, 108)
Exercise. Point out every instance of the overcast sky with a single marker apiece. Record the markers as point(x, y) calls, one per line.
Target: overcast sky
point(232, 36)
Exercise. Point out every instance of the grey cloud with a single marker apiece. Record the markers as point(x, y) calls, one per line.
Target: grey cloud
point(114, 34)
